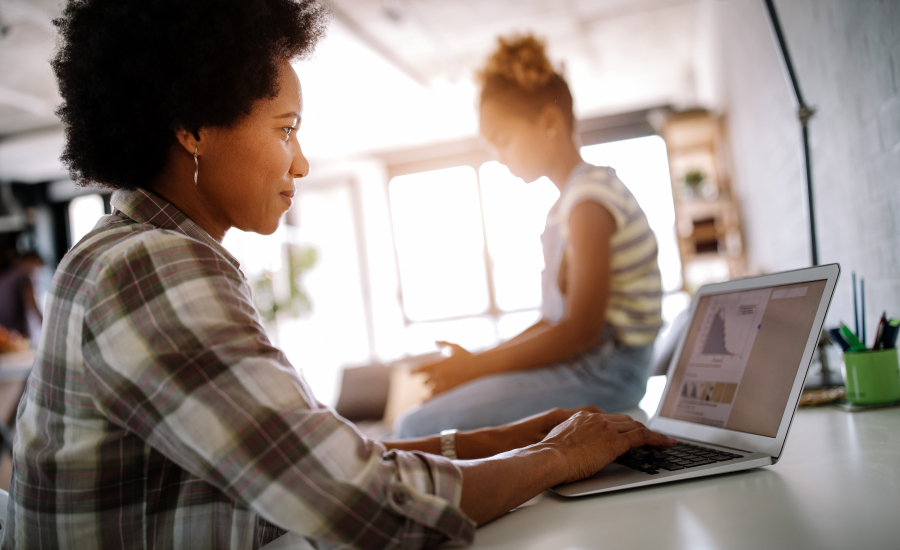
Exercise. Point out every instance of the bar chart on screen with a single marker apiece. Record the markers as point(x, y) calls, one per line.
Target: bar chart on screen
point(729, 329)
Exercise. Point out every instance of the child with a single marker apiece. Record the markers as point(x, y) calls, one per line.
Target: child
point(601, 284)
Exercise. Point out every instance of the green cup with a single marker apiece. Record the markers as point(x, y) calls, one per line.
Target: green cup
point(872, 377)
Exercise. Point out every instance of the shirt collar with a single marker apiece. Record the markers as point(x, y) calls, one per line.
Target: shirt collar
point(580, 168)
point(146, 207)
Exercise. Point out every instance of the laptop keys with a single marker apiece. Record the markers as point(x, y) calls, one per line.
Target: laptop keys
point(683, 455)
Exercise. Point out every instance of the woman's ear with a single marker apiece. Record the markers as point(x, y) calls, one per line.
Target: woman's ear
point(190, 141)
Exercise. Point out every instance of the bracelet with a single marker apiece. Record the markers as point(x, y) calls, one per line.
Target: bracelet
point(448, 444)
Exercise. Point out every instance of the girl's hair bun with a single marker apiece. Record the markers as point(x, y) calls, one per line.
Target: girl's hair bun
point(520, 59)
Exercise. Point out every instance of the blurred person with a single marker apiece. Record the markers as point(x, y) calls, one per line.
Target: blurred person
point(17, 300)
point(601, 286)
point(158, 413)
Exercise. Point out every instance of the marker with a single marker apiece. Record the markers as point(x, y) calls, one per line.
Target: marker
point(852, 340)
point(889, 338)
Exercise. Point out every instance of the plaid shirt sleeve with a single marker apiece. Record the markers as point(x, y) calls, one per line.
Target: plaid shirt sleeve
point(174, 352)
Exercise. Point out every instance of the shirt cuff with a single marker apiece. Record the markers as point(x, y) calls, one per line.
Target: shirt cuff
point(428, 492)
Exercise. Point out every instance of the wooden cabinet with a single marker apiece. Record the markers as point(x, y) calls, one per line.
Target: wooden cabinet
point(707, 217)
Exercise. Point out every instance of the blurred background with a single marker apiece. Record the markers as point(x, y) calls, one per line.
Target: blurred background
point(407, 231)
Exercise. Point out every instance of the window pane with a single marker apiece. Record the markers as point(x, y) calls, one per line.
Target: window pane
point(474, 334)
point(334, 333)
point(84, 212)
point(440, 244)
point(514, 214)
point(643, 166)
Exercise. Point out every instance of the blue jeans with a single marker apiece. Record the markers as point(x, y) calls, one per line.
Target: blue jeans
point(611, 376)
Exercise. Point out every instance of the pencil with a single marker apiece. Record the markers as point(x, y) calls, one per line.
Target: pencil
point(862, 306)
point(855, 307)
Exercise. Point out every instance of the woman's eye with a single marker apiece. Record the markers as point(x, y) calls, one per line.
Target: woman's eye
point(287, 131)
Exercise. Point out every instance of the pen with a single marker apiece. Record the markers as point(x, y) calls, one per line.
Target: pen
point(835, 334)
point(879, 332)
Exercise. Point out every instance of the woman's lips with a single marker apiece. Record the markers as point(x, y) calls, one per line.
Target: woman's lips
point(287, 197)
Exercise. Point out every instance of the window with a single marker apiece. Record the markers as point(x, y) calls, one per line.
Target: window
point(643, 166)
point(515, 214)
point(334, 330)
point(445, 220)
point(84, 212)
point(440, 244)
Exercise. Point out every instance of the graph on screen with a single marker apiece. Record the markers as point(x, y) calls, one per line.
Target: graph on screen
point(729, 329)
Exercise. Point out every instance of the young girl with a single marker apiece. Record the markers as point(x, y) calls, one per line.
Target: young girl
point(601, 284)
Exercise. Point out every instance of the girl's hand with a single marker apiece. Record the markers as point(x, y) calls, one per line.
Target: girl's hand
point(457, 369)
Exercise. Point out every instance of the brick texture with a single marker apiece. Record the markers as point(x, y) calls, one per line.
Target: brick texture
point(847, 57)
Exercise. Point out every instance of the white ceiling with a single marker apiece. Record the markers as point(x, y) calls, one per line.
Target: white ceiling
point(398, 73)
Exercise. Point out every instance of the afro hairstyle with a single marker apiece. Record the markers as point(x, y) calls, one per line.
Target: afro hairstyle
point(131, 73)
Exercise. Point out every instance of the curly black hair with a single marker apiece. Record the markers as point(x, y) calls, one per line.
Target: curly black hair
point(132, 72)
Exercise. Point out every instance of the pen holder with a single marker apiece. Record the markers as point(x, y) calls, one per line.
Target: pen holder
point(872, 377)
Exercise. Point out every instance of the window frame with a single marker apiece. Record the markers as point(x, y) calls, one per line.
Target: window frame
point(473, 153)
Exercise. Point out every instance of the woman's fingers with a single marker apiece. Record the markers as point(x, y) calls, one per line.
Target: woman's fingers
point(645, 436)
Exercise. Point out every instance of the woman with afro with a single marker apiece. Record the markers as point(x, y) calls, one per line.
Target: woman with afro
point(158, 414)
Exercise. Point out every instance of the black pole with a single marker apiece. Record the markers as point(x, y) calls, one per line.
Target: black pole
point(804, 113)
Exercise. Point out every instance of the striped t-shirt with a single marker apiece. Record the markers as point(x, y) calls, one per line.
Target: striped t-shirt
point(635, 293)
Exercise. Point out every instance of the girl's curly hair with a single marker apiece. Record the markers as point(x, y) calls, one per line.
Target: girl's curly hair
point(520, 75)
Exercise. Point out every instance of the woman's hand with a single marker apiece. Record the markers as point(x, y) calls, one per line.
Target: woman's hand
point(487, 442)
point(457, 369)
point(589, 441)
point(574, 449)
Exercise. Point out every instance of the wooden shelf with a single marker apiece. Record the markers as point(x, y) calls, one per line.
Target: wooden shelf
point(707, 216)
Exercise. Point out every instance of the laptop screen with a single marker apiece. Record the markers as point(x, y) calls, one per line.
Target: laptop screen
point(741, 356)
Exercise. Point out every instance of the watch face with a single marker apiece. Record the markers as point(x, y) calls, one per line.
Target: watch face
point(448, 444)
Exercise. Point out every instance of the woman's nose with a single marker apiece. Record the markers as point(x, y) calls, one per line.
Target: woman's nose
point(300, 165)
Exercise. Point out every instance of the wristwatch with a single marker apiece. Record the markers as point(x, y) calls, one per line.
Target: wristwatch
point(448, 444)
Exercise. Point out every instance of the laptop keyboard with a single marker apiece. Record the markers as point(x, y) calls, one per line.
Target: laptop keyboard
point(651, 460)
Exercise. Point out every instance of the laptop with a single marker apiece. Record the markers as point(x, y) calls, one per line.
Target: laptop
point(734, 381)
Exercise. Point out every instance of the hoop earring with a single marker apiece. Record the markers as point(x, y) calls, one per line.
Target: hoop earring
point(196, 166)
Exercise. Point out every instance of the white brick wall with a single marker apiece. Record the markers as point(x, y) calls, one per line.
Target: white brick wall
point(847, 57)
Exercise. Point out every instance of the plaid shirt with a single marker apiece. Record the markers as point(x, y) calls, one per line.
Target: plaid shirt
point(158, 415)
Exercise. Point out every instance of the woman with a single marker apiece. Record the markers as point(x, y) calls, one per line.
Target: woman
point(601, 285)
point(17, 300)
point(158, 414)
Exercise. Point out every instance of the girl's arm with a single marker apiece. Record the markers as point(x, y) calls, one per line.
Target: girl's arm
point(587, 293)
point(526, 334)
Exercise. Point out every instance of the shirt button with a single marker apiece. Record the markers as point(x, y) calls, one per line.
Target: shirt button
point(400, 496)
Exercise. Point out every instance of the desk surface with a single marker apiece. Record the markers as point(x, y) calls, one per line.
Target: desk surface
point(836, 486)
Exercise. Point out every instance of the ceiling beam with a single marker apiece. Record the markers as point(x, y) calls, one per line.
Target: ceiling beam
point(30, 13)
point(376, 45)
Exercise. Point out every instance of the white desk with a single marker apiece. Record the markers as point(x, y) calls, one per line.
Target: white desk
point(837, 486)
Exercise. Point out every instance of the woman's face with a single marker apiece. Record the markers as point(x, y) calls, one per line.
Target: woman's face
point(522, 145)
point(247, 171)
